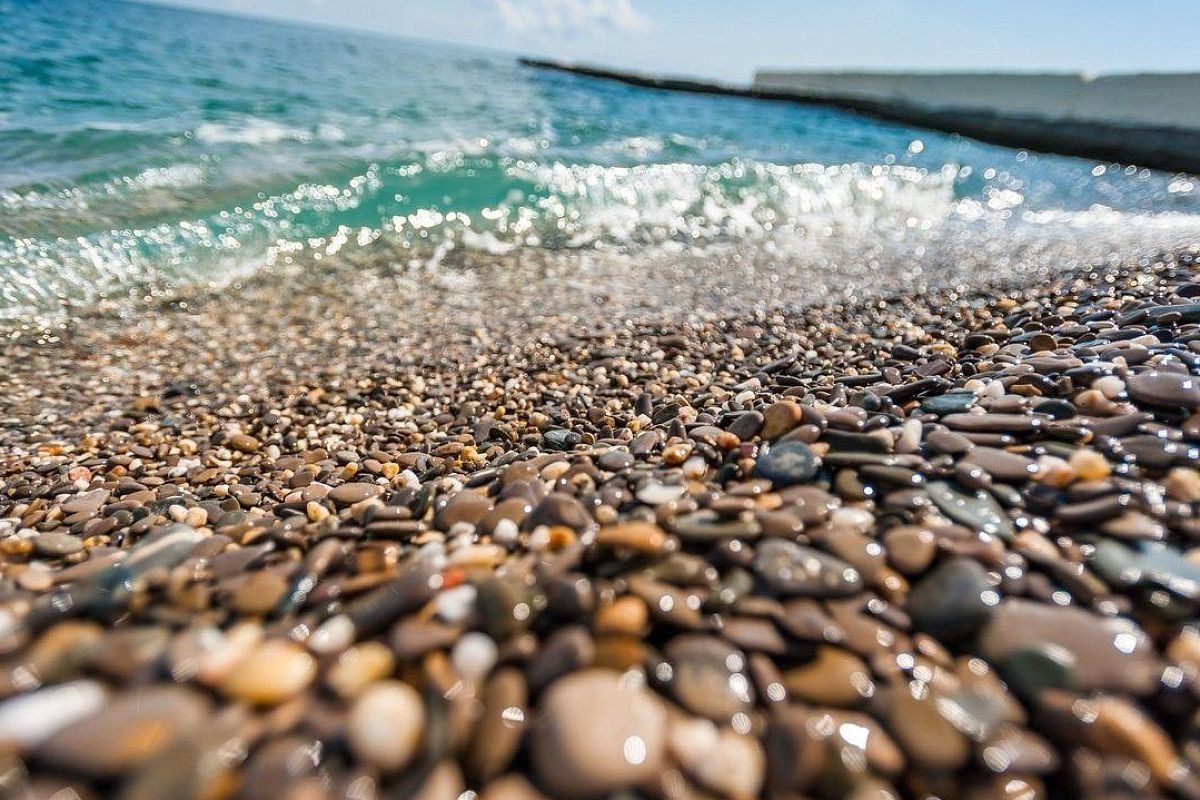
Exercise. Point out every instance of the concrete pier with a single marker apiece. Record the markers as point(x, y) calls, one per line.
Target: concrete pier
point(1151, 120)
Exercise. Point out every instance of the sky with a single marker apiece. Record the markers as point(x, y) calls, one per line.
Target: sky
point(728, 39)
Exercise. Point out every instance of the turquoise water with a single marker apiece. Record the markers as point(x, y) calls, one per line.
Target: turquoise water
point(144, 147)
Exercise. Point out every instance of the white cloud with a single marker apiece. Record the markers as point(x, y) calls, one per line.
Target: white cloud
point(570, 16)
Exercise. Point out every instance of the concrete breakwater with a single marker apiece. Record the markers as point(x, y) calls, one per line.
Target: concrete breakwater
point(1151, 120)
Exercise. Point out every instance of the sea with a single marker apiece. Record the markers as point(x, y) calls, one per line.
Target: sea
point(146, 149)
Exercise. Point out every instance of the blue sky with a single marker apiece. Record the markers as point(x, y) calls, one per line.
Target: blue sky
point(728, 38)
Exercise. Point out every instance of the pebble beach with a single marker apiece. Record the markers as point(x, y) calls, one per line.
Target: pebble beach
point(522, 528)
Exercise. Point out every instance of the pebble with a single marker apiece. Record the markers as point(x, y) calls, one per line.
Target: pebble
point(348, 494)
point(1165, 389)
point(707, 676)
point(273, 672)
point(729, 763)
point(127, 732)
point(1101, 654)
point(788, 463)
point(473, 656)
point(358, 667)
point(28, 720)
point(954, 600)
point(792, 569)
point(386, 724)
point(597, 732)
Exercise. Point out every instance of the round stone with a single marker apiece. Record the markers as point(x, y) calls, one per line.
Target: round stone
point(954, 600)
point(385, 724)
point(597, 732)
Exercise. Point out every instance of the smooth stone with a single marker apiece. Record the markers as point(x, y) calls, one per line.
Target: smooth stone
point(616, 460)
point(727, 762)
point(788, 463)
point(992, 423)
point(597, 731)
point(977, 510)
point(1108, 653)
point(656, 494)
point(792, 569)
point(131, 729)
point(359, 667)
point(1151, 564)
point(910, 548)
point(1164, 389)
point(626, 614)
point(513, 786)
point(559, 509)
point(747, 425)
point(348, 494)
point(953, 600)
point(275, 671)
point(855, 737)
point(706, 526)
point(260, 593)
point(464, 506)
point(949, 403)
point(708, 676)
point(385, 725)
point(413, 637)
point(836, 677)
point(641, 537)
point(497, 733)
point(28, 720)
point(928, 739)
point(56, 544)
point(473, 656)
point(780, 418)
point(560, 439)
point(1003, 465)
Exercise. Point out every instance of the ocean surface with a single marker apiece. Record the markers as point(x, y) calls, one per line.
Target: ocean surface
point(144, 148)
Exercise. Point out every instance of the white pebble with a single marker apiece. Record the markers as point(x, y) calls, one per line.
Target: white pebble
point(453, 605)
point(27, 720)
point(656, 494)
point(332, 636)
point(506, 532)
point(473, 656)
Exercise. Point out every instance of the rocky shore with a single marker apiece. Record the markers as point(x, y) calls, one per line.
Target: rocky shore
point(518, 532)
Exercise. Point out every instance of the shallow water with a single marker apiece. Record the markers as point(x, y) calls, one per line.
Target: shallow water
point(143, 148)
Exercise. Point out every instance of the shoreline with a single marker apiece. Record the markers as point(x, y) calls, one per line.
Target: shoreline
point(1023, 114)
point(378, 510)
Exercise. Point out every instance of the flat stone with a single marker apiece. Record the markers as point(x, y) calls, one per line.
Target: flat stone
point(792, 569)
point(708, 676)
point(347, 494)
point(977, 510)
point(128, 731)
point(1164, 389)
point(1107, 653)
point(56, 544)
point(788, 463)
